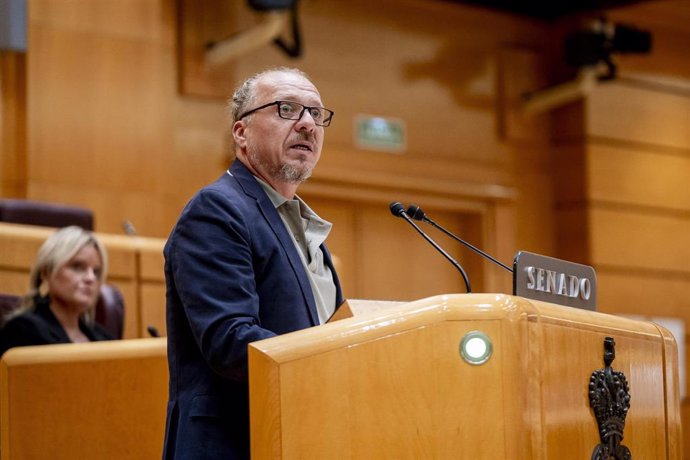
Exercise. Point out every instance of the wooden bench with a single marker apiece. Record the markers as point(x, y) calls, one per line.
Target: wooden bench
point(102, 400)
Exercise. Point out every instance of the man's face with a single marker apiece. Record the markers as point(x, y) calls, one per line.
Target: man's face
point(279, 150)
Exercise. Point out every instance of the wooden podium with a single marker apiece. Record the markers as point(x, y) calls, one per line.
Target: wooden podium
point(392, 384)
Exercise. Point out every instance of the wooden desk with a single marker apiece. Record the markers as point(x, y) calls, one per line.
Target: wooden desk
point(101, 400)
point(393, 383)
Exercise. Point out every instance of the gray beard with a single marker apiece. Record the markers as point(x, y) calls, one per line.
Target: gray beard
point(285, 173)
point(290, 174)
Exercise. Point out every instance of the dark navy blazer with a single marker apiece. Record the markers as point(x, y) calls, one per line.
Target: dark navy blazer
point(41, 327)
point(233, 276)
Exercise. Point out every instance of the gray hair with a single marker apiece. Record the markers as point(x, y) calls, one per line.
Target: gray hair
point(245, 95)
point(55, 252)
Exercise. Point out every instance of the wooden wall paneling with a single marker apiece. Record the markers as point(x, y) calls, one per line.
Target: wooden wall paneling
point(356, 230)
point(18, 247)
point(201, 151)
point(640, 115)
point(500, 240)
point(13, 282)
point(114, 98)
point(147, 307)
point(130, 293)
point(524, 69)
point(573, 237)
point(638, 166)
point(102, 138)
point(341, 241)
point(19, 244)
point(131, 161)
point(371, 176)
point(641, 293)
point(570, 176)
point(535, 207)
point(640, 241)
point(521, 71)
point(568, 126)
point(571, 201)
point(123, 272)
point(198, 24)
point(643, 178)
point(667, 21)
point(152, 312)
point(469, 226)
point(149, 214)
point(396, 262)
point(13, 156)
point(152, 286)
point(439, 62)
point(571, 170)
point(471, 219)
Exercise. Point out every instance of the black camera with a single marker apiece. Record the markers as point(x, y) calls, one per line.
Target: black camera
point(590, 47)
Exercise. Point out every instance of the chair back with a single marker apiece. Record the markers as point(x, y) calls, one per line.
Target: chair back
point(110, 309)
point(44, 214)
point(8, 303)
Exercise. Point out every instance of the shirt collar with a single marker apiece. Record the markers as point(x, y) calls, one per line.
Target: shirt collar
point(276, 198)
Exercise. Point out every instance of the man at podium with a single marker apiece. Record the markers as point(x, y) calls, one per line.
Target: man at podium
point(245, 261)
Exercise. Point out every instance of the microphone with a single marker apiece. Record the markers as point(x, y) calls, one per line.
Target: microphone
point(416, 213)
point(398, 210)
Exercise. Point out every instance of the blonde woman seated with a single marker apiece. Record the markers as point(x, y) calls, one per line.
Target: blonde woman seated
point(64, 286)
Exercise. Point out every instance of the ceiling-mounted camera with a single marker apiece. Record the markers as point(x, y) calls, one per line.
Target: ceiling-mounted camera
point(596, 45)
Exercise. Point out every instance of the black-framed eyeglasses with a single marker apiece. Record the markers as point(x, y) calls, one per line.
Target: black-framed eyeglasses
point(294, 110)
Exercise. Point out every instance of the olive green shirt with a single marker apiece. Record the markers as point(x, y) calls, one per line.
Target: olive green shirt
point(308, 232)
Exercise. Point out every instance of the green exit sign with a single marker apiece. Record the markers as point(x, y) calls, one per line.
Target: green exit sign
point(379, 133)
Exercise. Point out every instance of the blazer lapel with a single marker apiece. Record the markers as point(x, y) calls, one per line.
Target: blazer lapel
point(252, 188)
point(55, 329)
point(329, 262)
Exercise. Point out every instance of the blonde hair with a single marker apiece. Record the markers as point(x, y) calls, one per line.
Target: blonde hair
point(56, 251)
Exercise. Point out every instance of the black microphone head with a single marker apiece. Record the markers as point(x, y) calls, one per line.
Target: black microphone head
point(415, 212)
point(397, 209)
